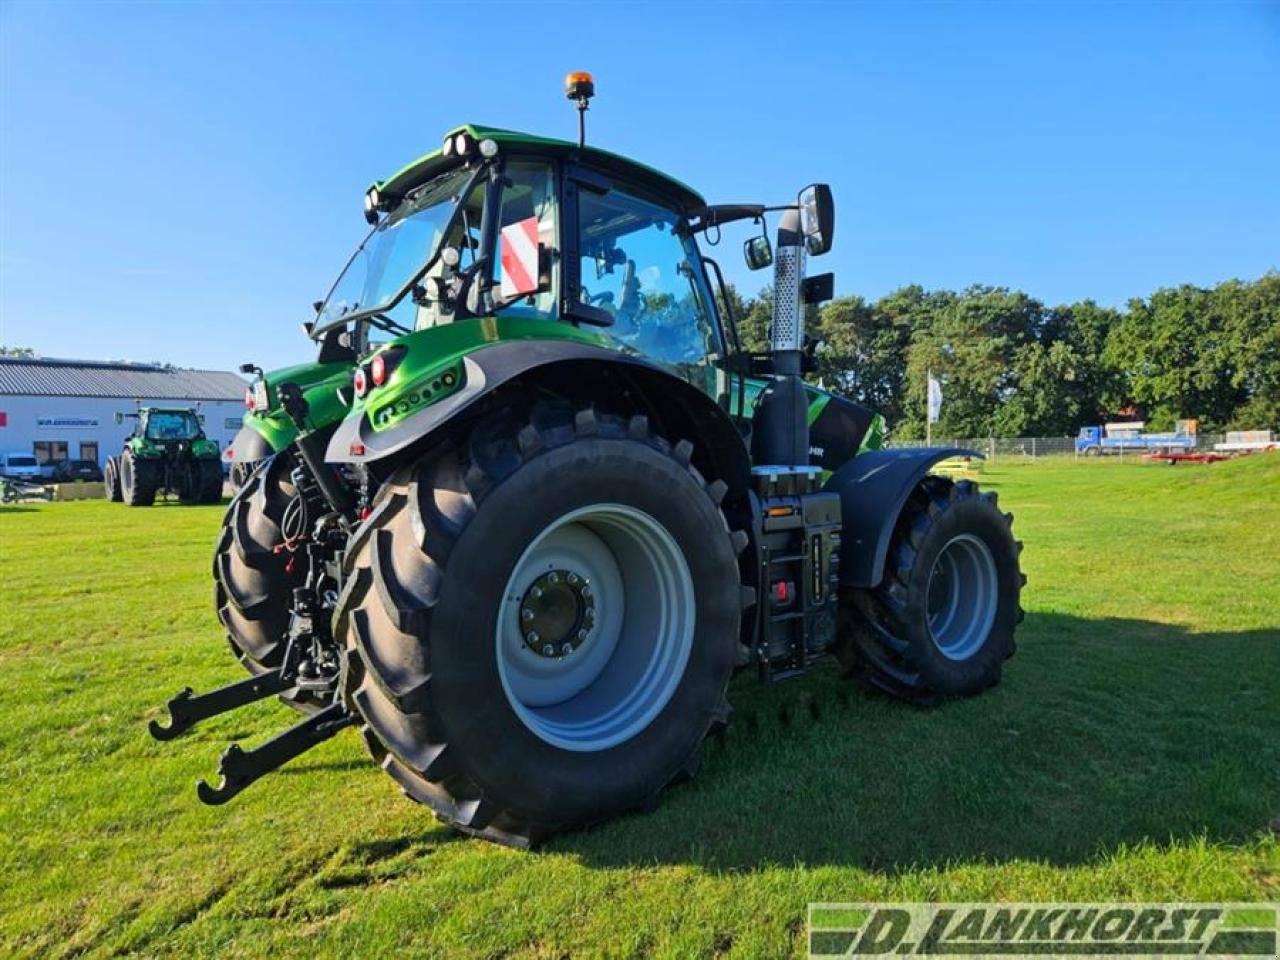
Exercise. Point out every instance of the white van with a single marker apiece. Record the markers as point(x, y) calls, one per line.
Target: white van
point(20, 465)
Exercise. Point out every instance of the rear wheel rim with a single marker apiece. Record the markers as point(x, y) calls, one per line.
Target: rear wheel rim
point(962, 597)
point(623, 627)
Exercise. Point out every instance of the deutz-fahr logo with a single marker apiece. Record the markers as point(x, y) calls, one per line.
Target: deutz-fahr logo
point(1039, 930)
point(422, 393)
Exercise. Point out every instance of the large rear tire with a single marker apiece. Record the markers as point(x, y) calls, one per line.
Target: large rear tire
point(139, 479)
point(588, 528)
point(209, 481)
point(941, 623)
point(111, 477)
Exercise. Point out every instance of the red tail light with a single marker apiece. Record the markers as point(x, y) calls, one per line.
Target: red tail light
point(361, 382)
point(378, 369)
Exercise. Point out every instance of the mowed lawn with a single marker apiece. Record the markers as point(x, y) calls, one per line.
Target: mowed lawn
point(1132, 752)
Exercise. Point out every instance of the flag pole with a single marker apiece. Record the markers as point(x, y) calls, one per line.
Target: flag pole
point(928, 413)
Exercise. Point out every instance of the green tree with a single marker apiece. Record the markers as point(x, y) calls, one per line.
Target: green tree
point(971, 341)
point(861, 354)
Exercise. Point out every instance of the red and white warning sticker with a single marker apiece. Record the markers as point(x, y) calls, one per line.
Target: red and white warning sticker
point(520, 258)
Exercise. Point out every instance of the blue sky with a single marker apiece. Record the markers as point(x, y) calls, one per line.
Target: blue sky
point(180, 181)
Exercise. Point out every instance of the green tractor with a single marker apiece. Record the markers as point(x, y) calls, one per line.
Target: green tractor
point(534, 505)
point(167, 453)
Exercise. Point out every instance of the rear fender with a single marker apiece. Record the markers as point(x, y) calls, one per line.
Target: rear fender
point(569, 368)
point(251, 445)
point(873, 489)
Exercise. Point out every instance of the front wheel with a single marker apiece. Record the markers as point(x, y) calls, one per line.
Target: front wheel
point(941, 623)
point(542, 622)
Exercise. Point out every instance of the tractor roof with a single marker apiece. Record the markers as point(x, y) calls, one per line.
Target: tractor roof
point(424, 168)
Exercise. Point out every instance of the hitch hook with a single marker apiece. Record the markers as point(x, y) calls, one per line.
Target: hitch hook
point(238, 767)
point(187, 709)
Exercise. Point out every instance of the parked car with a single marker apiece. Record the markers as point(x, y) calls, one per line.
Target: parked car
point(68, 471)
point(21, 466)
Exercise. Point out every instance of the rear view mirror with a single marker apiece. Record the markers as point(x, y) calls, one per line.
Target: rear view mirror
point(817, 217)
point(757, 252)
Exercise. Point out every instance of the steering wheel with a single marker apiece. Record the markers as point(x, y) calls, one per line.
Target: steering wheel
point(596, 299)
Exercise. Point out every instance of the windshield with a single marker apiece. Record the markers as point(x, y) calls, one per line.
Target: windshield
point(172, 425)
point(393, 252)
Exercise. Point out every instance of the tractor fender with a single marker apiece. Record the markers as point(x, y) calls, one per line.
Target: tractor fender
point(250, 445)
point(873, 488)
point(680, 410)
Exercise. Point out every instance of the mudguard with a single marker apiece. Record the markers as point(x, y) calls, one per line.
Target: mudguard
point(873, 488)
point(685, 411)
point(250, 445)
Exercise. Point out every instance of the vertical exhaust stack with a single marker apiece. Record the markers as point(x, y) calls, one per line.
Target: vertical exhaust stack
point(781, 429)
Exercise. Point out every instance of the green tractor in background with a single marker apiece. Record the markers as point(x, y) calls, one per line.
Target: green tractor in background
point(534, 505)
point(167, 453)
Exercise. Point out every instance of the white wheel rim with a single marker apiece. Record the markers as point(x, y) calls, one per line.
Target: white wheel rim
point(962, 598)
point(637, 640)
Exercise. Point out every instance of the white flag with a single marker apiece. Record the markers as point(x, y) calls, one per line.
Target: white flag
point(935, 399)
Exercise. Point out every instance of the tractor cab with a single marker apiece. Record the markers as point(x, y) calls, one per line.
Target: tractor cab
point(509, 226)
point(168, 426)
point(501, 236)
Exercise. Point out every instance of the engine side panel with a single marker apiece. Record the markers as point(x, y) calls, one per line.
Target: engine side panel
point(838, 430)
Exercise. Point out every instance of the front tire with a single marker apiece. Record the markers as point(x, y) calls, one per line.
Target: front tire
point(512, 740)
point(941, 624)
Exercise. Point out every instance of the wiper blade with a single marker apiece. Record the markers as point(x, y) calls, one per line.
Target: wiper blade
point(383, 322)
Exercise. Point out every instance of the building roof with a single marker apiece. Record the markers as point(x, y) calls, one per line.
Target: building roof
point(49, 377)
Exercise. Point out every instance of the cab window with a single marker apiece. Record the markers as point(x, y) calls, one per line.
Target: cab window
point(421, 312)
point(639, 269)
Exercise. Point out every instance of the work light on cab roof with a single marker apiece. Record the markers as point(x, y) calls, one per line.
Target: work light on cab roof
point(580, 87)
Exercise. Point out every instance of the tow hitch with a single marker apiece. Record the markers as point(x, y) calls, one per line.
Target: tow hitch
point(238, 768)
point(310, 667)
point(187, 709)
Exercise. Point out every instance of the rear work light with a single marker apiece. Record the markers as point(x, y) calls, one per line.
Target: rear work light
point(249, 402)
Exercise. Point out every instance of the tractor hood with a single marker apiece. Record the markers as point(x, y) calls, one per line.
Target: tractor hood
point(320, 383)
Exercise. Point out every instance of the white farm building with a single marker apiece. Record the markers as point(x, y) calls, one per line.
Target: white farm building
point(66, 409)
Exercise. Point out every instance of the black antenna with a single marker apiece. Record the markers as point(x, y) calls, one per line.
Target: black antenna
point(580, 87)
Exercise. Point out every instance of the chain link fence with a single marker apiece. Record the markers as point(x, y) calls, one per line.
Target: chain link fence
point(1031, 448)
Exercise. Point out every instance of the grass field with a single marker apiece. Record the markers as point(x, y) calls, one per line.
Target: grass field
point(1132, 752)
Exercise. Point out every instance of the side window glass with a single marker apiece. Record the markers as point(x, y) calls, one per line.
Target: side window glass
point(636, 267)
point(526, 222)
point(465, 238)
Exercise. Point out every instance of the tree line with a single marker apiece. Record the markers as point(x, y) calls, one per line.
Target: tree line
point(1010, 366)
